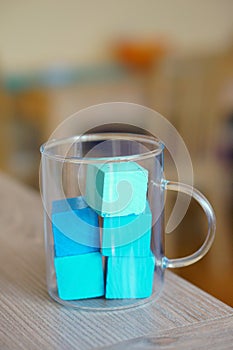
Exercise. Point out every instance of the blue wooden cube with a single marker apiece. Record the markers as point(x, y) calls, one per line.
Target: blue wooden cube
point(68, 204)
point(127, 235)
point(79, 276)
point(116, 189)
point(129, 277)
point(75, 227)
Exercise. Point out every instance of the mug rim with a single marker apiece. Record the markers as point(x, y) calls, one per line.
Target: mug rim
point(47, 147)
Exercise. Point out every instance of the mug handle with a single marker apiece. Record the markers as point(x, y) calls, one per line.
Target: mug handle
point(200, 198)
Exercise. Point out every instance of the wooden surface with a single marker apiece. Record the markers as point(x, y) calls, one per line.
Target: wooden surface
point(183, 318)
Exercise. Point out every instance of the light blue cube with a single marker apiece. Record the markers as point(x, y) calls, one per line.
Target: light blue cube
point(127, 235)
point(79, 276)
point(129, 277)
point(75, 227)
point(116, 189)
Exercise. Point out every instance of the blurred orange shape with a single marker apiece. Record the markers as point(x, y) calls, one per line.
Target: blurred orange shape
point(139, 54)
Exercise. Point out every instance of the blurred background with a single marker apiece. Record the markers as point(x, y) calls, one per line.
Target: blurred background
point(57, 57)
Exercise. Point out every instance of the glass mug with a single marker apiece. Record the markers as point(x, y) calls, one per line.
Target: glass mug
point(103, 197)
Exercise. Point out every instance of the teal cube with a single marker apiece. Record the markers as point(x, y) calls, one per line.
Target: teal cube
point(127, 235)
point(79, 276)
point(75, 227)
point(116, 189)
point(129, 277)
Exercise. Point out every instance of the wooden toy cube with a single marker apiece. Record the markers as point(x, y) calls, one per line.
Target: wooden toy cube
point(129, 277)
point(116, 189)
point(79, 276)
point(127, 235)
point(75, 227)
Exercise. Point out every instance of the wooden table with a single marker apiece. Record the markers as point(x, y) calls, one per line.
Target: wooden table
point(183, 318)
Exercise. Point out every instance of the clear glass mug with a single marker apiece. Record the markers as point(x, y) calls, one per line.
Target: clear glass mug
point(103, 197)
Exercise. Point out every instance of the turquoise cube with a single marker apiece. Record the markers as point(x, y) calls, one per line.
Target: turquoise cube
point(116, 189)
point(129, 277)
point(79, 276)
point(127, 235)
point(75, 227)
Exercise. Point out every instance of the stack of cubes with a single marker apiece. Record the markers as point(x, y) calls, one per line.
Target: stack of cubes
point(116, 193)
point(77, 257)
